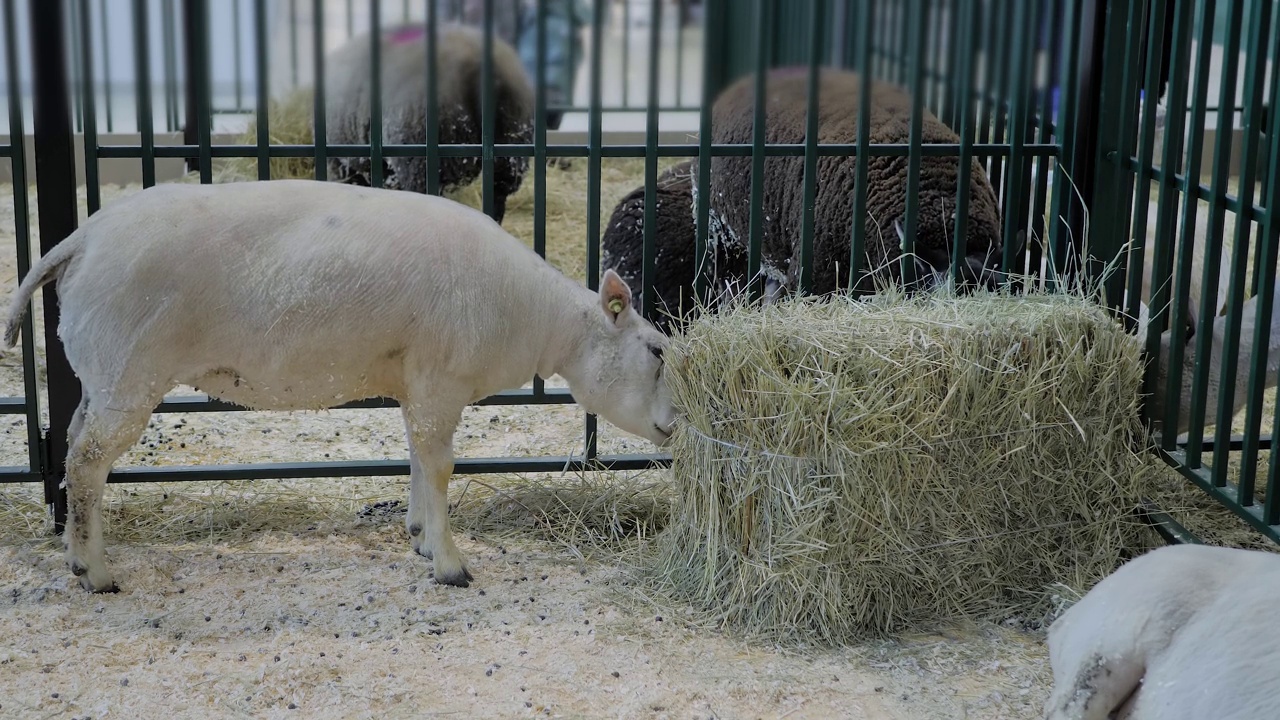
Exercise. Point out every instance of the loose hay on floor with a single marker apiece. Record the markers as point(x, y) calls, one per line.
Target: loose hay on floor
point(852, 468)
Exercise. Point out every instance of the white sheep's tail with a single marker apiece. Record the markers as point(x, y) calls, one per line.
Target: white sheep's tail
point(46, 269)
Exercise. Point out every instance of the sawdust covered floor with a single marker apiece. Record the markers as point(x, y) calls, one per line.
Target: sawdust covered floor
point(303, 598)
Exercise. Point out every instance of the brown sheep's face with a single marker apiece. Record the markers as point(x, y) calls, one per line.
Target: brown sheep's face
point(979, 268)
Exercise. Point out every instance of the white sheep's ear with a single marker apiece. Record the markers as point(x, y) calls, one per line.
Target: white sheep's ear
point(615, 295)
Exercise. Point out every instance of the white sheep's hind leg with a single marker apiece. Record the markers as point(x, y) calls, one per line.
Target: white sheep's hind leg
point(98, 435)
point(429, 427)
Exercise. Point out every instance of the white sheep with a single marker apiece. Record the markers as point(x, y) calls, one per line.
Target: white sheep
point(296, 294)
point(1248, 323)
point(1181, 633)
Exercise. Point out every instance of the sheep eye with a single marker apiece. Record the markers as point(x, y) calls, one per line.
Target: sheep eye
point(657, 352)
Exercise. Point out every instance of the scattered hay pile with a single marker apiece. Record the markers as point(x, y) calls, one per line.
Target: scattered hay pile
point(853, 468)
point(289, 122)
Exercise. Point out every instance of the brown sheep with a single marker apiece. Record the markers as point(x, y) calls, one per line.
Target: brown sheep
point(674, 257)
point(786, 108)
point(459, 58)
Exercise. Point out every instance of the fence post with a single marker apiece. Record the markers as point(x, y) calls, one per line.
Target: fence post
point(192, 62)
point(57, 209)
point(1095, 149)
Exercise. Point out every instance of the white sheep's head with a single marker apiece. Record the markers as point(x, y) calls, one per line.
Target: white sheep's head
point(622, 377)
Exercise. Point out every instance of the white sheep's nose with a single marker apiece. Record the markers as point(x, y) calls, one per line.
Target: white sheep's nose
point(663, 432)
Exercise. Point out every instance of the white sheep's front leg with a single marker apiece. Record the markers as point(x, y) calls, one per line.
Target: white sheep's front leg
point(430, 435)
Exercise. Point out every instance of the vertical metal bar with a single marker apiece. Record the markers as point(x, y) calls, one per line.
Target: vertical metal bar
point(193, 29)
point(1270, 238)
point(1010, 29)
point(237, 62)
point(1191, 205)
point(1064, 129)
point(1254, 75)
point(915, 58)
point(1213, 239)
point(106, 66)
point(965, 60)
point(857, 237)
point(375, 94)
point(956, 19)
point(1016, 181)
point(626, 54)
point(263, 89)
point(647, 266)
point(817, 15)
point(22, 235)
point(92, 190)
point(74, 31)
point(595, 141)
point(1265, 272)
point(1041, 124)
point(903, 37)
point(539, 145)
point(56, 200)
point(756, 228)
point(320, 133)
point(433, 102)
point(933, 63)
point(142, 69)
point(993, 61)
point(1166, 232)
point(680, 17)
point(170, 61)
point(351, 19)
point(1142, 198)
point(1116, 138)
point(293, 38)
point(713, 34)
point(488, 112)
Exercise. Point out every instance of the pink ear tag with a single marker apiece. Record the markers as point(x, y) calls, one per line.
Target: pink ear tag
point(405, 35)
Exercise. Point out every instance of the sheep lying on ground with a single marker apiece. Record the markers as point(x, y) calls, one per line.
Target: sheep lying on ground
point(458, 60)
point(674, 258)
point(294, 294)
point(1180, 633)
point(786, 108)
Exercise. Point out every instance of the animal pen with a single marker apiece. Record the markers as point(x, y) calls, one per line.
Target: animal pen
point(1083, 114)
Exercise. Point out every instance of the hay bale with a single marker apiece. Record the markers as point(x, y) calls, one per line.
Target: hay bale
point(860, 468)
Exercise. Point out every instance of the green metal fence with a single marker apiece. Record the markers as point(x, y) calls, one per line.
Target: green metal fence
point(1056, 98)
point(1222, 80)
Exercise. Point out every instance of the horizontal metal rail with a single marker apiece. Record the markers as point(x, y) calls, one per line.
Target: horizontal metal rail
point(379, 468)
point(610, 151)
point(203, 403)
point(1227, 495)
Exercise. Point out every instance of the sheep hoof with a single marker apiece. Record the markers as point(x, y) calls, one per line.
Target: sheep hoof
point(461, 578)
point(87, 584)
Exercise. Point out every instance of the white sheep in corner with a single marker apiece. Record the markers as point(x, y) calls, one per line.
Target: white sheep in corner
point(1244, 359)
point(294, 294)
point(1181, 633)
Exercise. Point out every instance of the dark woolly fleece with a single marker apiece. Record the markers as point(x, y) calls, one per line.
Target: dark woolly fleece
point(458, 62)
point(674, 241)
point(786, 108)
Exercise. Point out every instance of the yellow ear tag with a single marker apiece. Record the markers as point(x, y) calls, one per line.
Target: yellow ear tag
point(615, 306)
